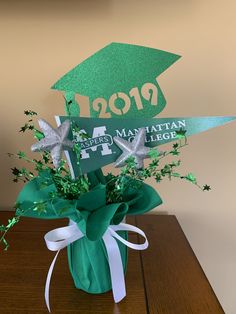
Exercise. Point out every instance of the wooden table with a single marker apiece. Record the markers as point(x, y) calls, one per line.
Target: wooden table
point(166, 278)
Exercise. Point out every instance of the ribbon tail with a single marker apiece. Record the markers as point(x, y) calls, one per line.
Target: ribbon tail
point(116, 267)
point(48, 280)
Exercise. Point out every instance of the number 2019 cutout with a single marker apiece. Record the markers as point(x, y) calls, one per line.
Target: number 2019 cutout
point(149, 92)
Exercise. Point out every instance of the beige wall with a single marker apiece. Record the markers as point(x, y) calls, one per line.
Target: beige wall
point(41, 40)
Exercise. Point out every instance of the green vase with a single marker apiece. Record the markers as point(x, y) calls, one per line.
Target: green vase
point(88, 263)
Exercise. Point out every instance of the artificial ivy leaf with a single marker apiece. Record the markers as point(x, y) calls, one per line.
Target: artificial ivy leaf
point(206, 187)
point(24, 171)
point(24, 128)
point(158, 177)
point(175, 174)
point(180, 133)
point(21, 154)
point(30, 113)
point(130, 161)
point(153, 153)
point(46, 158)
point(191, 177)
point(2, 228)
point(40, 208)
point(38, 135)
point(16, 172)
point(6, 244)
point(84, 136)
point(154, 164)
point(175, 152)
point(11, 222)
point(174, 164)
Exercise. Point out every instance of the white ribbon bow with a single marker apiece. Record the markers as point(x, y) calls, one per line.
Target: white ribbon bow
point(60, 238)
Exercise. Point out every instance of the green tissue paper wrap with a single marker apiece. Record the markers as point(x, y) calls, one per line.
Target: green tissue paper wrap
point(89, 266)
point(87, 257)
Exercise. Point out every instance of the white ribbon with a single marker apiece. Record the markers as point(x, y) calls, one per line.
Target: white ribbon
point(60, 238)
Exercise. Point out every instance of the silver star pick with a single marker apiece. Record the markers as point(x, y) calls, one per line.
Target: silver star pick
point(135, 149)
point(55, 140)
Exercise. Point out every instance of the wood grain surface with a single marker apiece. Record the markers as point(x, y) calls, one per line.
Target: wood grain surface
point(166, 278)
point(174, 280)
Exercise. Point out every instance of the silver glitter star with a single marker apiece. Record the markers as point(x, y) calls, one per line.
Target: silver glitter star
point(135, 149)
point(55, 140)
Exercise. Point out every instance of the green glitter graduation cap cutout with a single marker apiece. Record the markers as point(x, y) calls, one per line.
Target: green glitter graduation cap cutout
point(120, 80)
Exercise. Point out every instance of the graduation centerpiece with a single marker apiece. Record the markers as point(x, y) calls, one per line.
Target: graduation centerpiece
point(110, 101)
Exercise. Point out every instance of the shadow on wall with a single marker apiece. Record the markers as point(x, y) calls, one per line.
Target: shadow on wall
point(92, 8)
point(61, 7)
